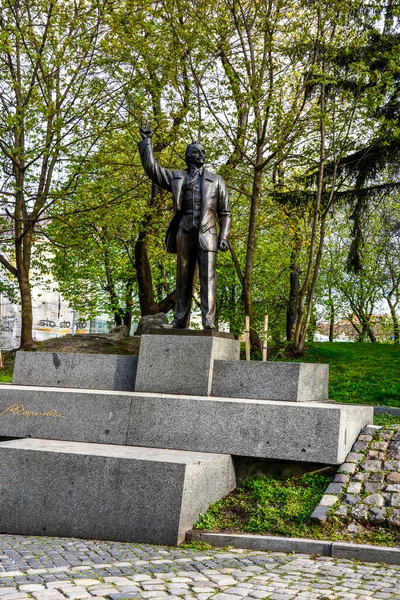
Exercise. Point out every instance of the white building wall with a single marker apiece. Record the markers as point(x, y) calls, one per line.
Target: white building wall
point(52, 317)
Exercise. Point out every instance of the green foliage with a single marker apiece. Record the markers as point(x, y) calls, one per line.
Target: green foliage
point(386, 420)
point(6, 373)
point(359, 373)
point(268, 505)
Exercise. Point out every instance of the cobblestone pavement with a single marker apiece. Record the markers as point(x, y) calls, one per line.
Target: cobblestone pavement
point(59, 568)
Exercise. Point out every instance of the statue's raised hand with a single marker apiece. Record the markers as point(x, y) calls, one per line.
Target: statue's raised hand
point(145, 130)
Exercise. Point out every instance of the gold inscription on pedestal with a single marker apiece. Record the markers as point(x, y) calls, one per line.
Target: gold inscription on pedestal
point(19, 410)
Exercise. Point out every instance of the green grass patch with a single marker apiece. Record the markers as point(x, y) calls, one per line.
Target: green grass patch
point(386, 420)
point(283, 507)
point(358, 373)
point(6, 372)
point(268, 505)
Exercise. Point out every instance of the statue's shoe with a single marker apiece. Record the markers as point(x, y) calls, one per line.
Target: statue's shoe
point(173, 325)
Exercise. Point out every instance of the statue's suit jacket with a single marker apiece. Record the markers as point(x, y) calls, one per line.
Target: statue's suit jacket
point(214, 200)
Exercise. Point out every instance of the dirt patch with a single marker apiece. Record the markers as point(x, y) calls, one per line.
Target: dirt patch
point(90, 344)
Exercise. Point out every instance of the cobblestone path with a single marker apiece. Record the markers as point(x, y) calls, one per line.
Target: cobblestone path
point(59, 568)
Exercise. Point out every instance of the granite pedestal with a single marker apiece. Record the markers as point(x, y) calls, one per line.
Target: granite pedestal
point(293, 382)
point(307, 432)
point(64, 414)
point(97, 491)
point(66, 370)
point(181, 364)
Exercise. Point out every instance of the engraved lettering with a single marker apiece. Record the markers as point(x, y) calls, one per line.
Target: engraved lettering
point(20, 411)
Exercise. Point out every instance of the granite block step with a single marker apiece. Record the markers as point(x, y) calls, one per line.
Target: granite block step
point(66, 370)
point(99, 491)
point(299, 431)
point(293, 382)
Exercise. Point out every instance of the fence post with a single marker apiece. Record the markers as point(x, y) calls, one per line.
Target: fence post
point(265, 340)
point(247, 337)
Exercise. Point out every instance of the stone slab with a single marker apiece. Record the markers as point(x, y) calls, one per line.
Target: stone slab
point(366, 553)
point(193, 333)
point(385, 410)
point(293, 382)
point(307, 432)
point(263, 542)
point(84, 371)
point(64, 414)
point(97, 491)
point(179, 364)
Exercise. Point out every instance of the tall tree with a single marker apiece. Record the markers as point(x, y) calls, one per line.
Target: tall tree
point(55, 102)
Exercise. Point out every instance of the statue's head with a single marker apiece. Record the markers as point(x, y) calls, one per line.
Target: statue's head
point(195, 154)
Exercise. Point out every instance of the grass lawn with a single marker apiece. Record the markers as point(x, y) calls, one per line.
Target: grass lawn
point(358, 373)
point(6, 372)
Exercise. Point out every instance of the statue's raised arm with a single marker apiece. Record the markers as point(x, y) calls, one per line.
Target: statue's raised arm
point(161, 177)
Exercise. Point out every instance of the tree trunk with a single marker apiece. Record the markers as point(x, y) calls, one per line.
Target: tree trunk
point(26, 311)
point(395, 321)
point(144, 277)
point(331, 315)
point(255, 341)
point(371, 334)
point(294, 287)
point(148, 306)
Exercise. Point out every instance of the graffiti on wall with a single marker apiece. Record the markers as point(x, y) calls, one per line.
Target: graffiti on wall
point(7, 323)
point(50, 325)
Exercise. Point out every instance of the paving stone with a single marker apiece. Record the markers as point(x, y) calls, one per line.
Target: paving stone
point(371, 487)
point(372, 465)
point(77, 592)
point(347, 468)
point(392, 465)
point(122, 596)
point(334, 488)
point(354, 487)
point(394, 487)
point(320, 513)
point(377, 516)
point(328, 500)
point(31, 587)
point(365, 438)
point(360, 476)
point(227, 596)
point(375, 455)
point(393, 477)
point(386, 434)
point(377, 477)
point(360, 513)
point(395, 500)
point(374, 500)
point(342, 510)
point(359, 445)
point(341, 478)
point(354, 457)
point(379, 446)
point(371, 429)
point(351, 499)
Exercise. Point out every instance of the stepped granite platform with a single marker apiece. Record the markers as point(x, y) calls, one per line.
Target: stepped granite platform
point(293, 382)
point(313, 432)
point(88, 371)
point(98, 491)
point(154, 440)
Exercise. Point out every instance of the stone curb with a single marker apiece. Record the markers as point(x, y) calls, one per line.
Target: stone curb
point(384, 410)
point(351, 551)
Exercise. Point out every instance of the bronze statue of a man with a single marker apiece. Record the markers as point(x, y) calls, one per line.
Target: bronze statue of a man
point(200, 201)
